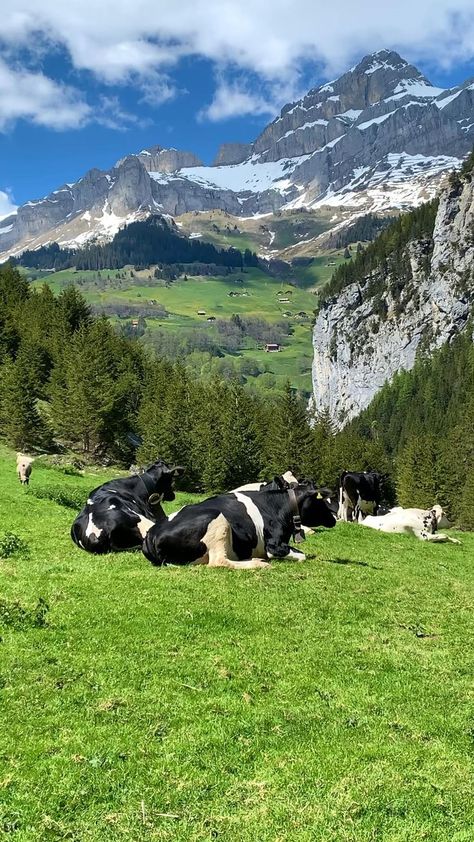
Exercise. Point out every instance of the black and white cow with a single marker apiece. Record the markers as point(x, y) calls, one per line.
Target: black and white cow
point(359, 494)
point(423, 523)
point(118, 514)
point(240, 530)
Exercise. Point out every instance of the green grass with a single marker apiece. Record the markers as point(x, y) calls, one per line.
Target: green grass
point(320, 270)
point(326, 700)
point(183, 298)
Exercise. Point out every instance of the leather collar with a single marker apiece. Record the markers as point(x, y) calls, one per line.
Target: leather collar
point(298, 534)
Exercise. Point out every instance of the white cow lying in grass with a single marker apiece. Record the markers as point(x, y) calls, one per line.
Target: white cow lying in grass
point(423, 523)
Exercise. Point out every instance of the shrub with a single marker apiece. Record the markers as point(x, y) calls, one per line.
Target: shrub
point(12, 544)
point(14, 615)
point(72, 498)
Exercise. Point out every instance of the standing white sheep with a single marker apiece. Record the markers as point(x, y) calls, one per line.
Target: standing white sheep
point(23, 467)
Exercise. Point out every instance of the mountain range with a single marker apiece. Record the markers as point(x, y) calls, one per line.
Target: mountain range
point(378, 138)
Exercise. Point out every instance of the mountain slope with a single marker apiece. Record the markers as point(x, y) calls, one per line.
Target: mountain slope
point(412, 290)
point(379, 137)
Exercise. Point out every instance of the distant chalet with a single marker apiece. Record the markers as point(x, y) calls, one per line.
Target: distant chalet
point(272, 347)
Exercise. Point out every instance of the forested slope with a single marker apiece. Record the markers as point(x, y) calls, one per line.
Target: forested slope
point(68, 380)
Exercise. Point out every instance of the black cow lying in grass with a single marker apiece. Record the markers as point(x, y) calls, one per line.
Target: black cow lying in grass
point(118, 514)
point(238, 530)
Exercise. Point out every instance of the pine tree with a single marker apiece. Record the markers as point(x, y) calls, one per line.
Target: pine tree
point(417, 478)
point(89, 388)
point(20, 421)
point(290, 442)
point(466, 507)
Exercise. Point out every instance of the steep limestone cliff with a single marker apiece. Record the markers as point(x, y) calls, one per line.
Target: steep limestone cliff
point(415, 300)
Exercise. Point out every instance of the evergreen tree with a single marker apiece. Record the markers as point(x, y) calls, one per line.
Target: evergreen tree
point(466, 507)
point(290, 442)
point(417, 479)
point(89, 388)
point(20, 421)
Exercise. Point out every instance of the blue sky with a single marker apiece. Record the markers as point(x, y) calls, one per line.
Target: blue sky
point(83, 83)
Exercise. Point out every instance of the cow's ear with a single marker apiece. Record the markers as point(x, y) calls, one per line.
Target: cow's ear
point(177, 470)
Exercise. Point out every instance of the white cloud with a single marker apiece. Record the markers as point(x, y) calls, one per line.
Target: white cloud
point(231, 101)
point(35, 97)
point(130, 43)
point(109, 113)
point(7, 205)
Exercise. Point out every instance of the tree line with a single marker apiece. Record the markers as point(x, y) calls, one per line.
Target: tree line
point(364, 229)
point(149, 242)
point(68, 379)
point(386, 255)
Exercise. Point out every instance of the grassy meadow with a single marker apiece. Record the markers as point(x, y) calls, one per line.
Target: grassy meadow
point(258, 295)
point(326, 700)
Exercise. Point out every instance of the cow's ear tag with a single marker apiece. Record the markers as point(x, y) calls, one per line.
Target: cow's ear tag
point(154, 499)
point(319, 496)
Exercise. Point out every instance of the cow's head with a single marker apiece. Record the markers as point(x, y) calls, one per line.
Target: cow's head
point(442, 520)
point(163, 476)
point(314, 509)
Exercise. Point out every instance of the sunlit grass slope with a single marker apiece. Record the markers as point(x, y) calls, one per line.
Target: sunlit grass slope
point(326, 700)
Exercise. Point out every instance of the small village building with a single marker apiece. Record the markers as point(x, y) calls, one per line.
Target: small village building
point(272, 347)
point(201, 312)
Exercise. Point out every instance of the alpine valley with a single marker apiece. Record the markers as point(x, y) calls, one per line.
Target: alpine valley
point(380, 140)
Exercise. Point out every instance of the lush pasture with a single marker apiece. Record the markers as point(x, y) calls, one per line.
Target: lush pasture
point(183, 298)
point(324, 700)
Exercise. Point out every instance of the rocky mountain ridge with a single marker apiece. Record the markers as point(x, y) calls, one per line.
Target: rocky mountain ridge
point(417, 299)
point(379, 137)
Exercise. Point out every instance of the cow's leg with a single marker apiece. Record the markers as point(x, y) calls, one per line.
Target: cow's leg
point(346, 511)
point(340, 511)
point(249, 564)
point(218, 540)
point(439, 538)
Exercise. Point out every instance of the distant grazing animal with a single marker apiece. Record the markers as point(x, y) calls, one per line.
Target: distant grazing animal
point(24, 467)
point(118, 514)
point(423, 523)
point(240, 530)
point(359, 494)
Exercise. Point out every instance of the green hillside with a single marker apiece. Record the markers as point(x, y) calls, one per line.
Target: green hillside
point(252, 293)
point(329, 699)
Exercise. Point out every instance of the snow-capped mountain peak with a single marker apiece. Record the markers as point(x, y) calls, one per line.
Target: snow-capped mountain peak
point(378, 137)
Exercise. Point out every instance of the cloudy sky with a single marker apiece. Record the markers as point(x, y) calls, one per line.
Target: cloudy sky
point(85, 81)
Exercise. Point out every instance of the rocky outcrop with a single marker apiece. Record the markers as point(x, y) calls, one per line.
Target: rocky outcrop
point(232, 153)
point(362, 338)
point(157, 159)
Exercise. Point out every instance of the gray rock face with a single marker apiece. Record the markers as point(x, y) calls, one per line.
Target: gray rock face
point(157, 159)
point(232, 153)
point(356, 350)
